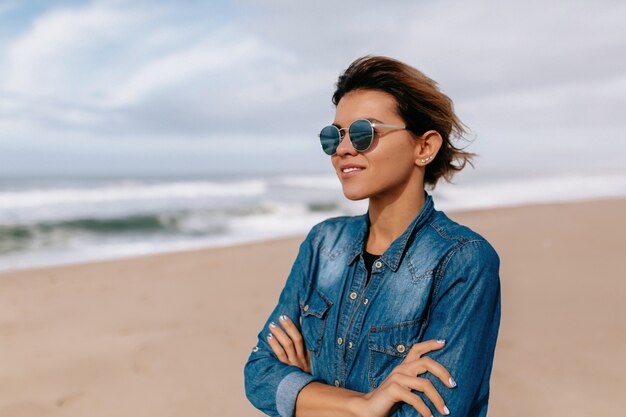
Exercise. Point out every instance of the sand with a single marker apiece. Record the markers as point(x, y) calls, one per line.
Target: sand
point(168, 335)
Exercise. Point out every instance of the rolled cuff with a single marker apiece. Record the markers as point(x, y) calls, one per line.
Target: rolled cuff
point(288, 391)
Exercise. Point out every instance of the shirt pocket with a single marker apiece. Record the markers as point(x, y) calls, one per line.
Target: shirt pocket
point(388, 346)
point(314, 312)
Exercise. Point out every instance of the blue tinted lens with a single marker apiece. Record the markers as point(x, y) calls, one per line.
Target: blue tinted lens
point(330, 138)
point(361, 134)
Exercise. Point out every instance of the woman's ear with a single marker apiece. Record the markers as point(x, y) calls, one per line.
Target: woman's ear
point(428, 144)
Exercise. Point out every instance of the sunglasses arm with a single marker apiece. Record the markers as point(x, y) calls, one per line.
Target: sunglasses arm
point(388, 126)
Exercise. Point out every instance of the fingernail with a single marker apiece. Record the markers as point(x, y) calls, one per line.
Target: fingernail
point(283, 318)
point(272, 324)
point(270, 336)
point(452, 382)
point(442, 341)
point(445, 411)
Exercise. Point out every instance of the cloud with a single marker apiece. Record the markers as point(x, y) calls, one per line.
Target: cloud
point(205, 58)
point(7, 6)
point(213, 71)
point(44, 60)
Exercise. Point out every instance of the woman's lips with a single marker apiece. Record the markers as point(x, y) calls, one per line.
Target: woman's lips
point(350, 171)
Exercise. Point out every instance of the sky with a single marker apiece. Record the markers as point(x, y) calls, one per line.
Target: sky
point(139, 87)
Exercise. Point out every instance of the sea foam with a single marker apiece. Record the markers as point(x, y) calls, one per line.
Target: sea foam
point(45, 222)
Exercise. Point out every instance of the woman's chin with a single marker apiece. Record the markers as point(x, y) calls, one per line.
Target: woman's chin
point(354, 195)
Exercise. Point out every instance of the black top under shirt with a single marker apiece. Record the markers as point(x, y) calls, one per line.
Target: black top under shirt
point(369, 259)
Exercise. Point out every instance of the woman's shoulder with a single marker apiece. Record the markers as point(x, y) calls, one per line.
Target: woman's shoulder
point(448, 229)
point(339, 224)
point(462, 248)
point(454, 236)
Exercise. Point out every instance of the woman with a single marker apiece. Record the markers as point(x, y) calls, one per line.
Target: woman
point(369, 296)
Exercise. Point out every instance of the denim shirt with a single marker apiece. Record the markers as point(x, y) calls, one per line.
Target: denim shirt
point(438, 280)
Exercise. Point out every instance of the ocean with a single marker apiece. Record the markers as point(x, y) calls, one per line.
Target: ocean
point(67, 220)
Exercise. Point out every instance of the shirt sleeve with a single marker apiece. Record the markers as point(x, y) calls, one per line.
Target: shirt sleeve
point(465, 311)
point(272, 386)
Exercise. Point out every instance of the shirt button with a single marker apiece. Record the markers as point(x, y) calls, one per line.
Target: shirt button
point(350, 345)
point(306, 307)
point(400, 348)
point(365, 301)
point(378, 264)
point(353, 296)
point(337, 383)
point(340, 341)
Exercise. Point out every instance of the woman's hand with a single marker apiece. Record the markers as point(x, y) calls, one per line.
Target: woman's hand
point(397, 386)
point(288, 344)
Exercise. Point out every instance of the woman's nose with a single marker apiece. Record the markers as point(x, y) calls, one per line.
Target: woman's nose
point(345, 146)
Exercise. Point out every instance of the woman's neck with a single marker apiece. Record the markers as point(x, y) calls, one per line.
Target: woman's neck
point(389, 217)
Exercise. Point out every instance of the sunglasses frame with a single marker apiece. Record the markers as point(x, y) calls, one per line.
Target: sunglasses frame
point(344, 129)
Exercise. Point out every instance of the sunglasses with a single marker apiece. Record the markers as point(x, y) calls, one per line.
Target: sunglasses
point(361, 134)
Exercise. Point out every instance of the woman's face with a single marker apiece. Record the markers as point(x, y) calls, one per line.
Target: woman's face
point(388, 167)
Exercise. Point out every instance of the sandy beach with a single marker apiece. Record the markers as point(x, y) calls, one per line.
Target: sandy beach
point(168, 335)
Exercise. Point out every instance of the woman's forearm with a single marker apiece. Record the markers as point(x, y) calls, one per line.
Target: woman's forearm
point(321, 400)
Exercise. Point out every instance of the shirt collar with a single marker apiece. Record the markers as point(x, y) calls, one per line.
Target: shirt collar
point(393, 254)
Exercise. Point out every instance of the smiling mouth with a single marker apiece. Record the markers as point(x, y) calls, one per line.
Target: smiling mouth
point(346, 170)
